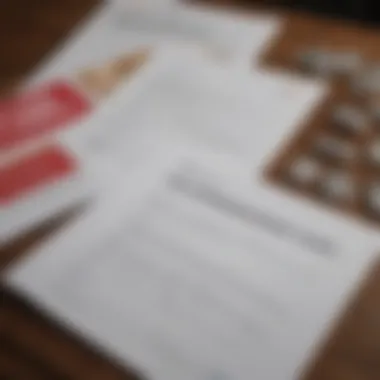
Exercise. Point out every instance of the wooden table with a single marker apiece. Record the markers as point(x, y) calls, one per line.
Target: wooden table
point(31, 346)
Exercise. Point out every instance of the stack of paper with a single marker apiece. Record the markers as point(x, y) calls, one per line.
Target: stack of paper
point(115, 43)
point(190, 265)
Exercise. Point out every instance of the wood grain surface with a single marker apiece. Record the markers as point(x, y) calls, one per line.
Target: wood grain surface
point(32, 346)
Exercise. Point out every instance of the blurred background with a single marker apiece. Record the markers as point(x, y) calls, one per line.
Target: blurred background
point(29, 30)
point(363, 10)
point(360, 10)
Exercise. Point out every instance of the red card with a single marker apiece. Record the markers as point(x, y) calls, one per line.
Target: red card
point(33, 171)
point(37, 112)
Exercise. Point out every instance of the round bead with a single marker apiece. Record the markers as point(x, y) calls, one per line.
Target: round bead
point(325, 63)
point(338, 186)
point(304, 170)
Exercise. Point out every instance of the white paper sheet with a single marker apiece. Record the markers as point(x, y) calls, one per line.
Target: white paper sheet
point(218, 106)
point(195, 271)
point(117, 28)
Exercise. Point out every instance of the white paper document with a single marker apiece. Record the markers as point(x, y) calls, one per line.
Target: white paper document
point(196, 271)
point(184, 95)
point(119, 27)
